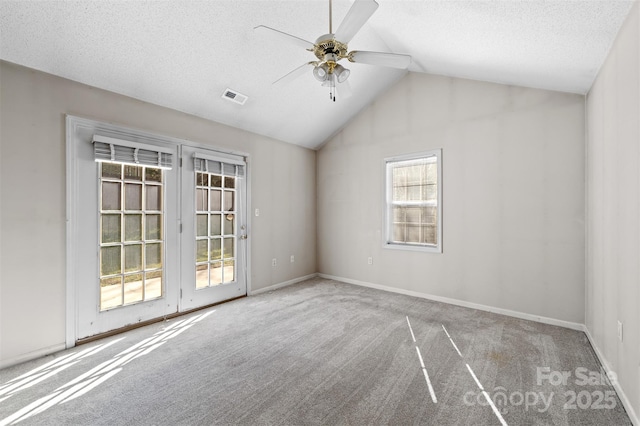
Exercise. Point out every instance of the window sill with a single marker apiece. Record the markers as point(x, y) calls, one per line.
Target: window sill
point(413, 247)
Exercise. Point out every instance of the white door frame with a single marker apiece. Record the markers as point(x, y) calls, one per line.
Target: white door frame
point(77, 126)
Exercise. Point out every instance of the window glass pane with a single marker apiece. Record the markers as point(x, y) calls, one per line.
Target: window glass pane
point(110, 261)
point(201, 251)
point(130, 259)
point(432, 173)
point(229, 182)
point(430, 192)
point(229, 201)
point(413, 214)
point(229, 221)
point(132, 196)
point(153, 285)
point(201, 200)
point(215, 225)
point(153, 255)
point(202, 179)
point(110, 292)
point(229, 271)
point(216, 250)
point(154, 197)
point(111, 228)
point(216, 202)
point(153, 175)
point(201, 225)
point(412, 233)
point(414, 190)
point(153, 227)
point(216, 273)
point(202, 276)
point(132, 172)
point(429, 234)
point(132, 288)
point(228, 247)
point(110, 196)
point(111, 170)
point(216, 181)
point(133, 227)
point(398, 235)
point(399, 214)
point(133, 258)
point(430, 215)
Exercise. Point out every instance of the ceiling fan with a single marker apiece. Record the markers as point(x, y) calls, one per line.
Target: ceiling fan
point(330, 48)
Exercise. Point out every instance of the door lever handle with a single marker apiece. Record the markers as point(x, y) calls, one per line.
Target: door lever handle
point(243, 237)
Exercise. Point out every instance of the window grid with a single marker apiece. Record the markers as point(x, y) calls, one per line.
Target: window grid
point(215, 229)
point(131, 234)
point(413, 211)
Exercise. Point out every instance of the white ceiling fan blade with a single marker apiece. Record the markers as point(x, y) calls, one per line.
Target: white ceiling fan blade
point(284, 36)
point(293, 75)
point(356, 17)
point(392, 60)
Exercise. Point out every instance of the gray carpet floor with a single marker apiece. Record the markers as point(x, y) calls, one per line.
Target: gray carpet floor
point(320, 352)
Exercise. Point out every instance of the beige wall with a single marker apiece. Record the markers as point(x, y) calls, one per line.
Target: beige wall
point(513, 189)
point(32, 194)
point(613, 209)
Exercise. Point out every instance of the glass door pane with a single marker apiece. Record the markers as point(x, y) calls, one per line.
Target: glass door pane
point(131, 264)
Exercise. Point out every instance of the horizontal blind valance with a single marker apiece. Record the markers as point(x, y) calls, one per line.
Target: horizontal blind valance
point(127, 152)
point(226, 167)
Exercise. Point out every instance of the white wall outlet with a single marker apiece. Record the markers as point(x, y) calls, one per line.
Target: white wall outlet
point(257, 212)
point(293, 258)
point(370, 261)
point(274, 262)
point(620, 330)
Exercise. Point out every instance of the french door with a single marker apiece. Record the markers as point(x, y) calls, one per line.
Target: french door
point(214, 228)
point(156, 227)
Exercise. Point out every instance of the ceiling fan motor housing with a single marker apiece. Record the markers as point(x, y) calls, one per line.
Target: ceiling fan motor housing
point(328, 49)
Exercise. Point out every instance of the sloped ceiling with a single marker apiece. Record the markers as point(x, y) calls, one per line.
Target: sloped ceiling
point(184, 54)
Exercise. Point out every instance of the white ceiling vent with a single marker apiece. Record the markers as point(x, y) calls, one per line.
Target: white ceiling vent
point(233, 96)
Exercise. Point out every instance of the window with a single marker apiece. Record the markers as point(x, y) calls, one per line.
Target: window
point(216, 228)
point(131, 234)
point(413, 217)
point(131, 241)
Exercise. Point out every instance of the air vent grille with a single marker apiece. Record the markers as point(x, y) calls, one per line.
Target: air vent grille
point(233, 96)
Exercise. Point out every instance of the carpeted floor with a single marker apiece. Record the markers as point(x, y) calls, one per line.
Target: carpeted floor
point(320, 352)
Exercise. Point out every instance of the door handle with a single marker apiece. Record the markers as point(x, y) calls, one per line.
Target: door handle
point(243, 237)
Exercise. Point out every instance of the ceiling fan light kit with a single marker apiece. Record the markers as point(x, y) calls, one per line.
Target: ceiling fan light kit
point(333, 47)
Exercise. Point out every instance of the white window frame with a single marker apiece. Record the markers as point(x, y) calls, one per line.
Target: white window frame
point(388, 214)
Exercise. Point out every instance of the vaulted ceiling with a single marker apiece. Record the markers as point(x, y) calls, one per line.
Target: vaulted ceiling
point(185, 54)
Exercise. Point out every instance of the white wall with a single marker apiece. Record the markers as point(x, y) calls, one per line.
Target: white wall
point(32, 194)
point(613, 209)
point(513, 209)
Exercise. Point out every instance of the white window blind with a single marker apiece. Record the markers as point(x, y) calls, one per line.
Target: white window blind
point(226, 167)
point(127, 152)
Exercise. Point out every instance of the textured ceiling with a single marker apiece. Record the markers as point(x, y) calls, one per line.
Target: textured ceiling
point(184, 54)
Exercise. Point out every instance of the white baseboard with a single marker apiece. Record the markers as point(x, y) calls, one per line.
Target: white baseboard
point(280, 285)
point(515, 314)
point(607, 368)
point(32, 355)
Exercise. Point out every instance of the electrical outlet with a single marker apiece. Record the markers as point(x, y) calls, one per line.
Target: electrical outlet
point(620, 330)
point(293, 258)
point(274, 262)
point(257, 212)
point(370, 261)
